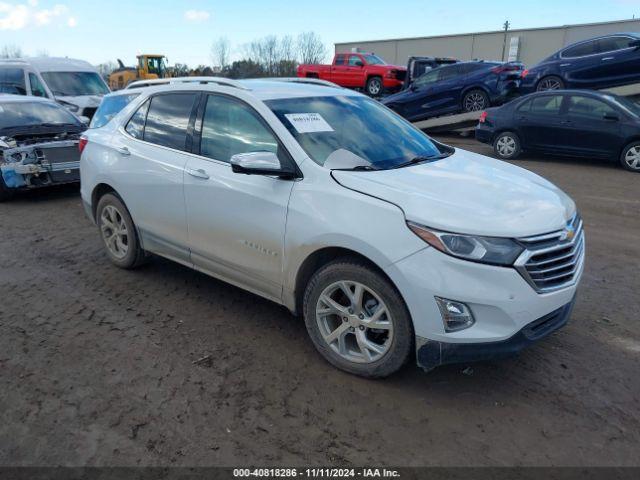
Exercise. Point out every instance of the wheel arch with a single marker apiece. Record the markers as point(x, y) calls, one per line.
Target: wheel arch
point(99, 191)
point(318, 258)
point(629, 141)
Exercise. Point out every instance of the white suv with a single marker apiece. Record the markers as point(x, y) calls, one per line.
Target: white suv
point(325, 201)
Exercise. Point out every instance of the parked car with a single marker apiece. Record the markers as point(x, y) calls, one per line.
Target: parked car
point(417, 66)
point(579, 123)
point(74, 84)
point(321, 199)
point(461, 87)
point(601, 62)
point(38, 144)
point(358, 70)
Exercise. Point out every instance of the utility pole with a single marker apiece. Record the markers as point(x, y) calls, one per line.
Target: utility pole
point(504, 42)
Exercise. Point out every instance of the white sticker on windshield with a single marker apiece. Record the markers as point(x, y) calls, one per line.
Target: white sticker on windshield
point(308, 122)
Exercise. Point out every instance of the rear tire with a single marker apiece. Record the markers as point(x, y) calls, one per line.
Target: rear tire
point(374, 86)
point(507, 146)
point(367, 332)
point(118, 233)
point(551, 82)
point(630, 157)
point(475, 101)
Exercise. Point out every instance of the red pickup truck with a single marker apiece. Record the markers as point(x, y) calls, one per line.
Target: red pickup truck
point(358, 70)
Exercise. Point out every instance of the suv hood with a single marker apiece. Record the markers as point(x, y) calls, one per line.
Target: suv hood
point(468, 193)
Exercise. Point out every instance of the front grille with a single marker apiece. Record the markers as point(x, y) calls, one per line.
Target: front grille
point(554, 260)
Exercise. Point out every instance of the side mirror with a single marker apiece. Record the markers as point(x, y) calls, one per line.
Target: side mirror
point(259, 163)
point(611, 117)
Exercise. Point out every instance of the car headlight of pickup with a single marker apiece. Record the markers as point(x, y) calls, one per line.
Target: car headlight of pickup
point(490, 250)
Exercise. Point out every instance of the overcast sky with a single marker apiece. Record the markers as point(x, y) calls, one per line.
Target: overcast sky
point(98, 31)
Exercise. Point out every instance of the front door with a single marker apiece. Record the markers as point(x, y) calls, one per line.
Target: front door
point(591, 128)
point(236, 222)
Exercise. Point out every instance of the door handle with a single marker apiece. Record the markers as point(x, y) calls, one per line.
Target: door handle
point(198, 173)
point(608, 58)
point(124, 151)
point(565, 64)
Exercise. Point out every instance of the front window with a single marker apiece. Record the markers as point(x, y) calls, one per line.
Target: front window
point(74, 84)
point(156, 65)
point(12, 81)
point(27, 114)
point(37, 89)
point(359, 125)
point(373, 60)
point(589, 108)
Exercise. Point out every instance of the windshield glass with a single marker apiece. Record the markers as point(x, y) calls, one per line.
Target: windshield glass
point(23, 114)
point(374, 60)
point(71, 84)
point(359, 125)
point(629, 105)
point(109, 108)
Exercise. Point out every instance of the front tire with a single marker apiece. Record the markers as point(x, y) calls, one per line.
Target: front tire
point(550, 83)
point(507, 146)
point(118, 233)
point(374, 86)
point(630, 158)
point(475, 101)
point(357, 320)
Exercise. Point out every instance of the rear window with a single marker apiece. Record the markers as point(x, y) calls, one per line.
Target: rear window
point(12, 81)
point(168, 120)
point(109, 108)
point(587, 48)
point(26, 114)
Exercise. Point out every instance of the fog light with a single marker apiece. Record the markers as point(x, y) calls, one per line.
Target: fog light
point(455, 315)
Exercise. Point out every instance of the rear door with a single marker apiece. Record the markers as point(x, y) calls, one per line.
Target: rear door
point(538, 121)
point(591, 127)
point(236, 222)
point(581, 63)
point(339, 69)
point(154, 148)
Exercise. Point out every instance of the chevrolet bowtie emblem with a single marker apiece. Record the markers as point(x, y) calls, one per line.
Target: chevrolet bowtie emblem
point(568, 234)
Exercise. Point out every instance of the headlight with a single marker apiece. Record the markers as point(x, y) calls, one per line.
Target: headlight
point(491, 250)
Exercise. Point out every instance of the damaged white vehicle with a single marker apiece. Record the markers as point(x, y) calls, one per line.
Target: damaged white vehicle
point(38, 144)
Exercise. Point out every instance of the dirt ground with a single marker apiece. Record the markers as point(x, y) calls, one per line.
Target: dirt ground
point(99, 366)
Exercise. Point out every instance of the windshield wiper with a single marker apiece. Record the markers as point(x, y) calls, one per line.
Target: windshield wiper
point(422, 159)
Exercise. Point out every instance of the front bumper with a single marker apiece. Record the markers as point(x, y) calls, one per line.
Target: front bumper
point(431, 354)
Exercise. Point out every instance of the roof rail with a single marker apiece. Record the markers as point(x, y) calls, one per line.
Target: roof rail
point(227, 82)
point(306, 80)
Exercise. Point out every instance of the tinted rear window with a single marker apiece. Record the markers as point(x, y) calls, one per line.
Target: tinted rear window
point(168, 119)
point(12, 81)
point(109, 108)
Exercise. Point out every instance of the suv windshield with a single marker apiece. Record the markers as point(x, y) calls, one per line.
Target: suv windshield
point(71, 84)
point(324, 125)
point(27, 114)
point(110, 107)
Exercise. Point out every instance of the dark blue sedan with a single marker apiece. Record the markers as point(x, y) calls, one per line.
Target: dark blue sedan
point(597, 63)
point(578, 123)
point(461, 87)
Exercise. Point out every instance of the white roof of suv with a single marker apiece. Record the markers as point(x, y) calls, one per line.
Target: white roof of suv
point(52, 64)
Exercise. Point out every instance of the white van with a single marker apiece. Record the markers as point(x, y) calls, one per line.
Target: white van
point(75, 84)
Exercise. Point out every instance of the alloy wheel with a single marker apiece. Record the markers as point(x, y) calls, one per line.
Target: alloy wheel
point(549, 84)
point(114, 232)
point(474, 102)
point(632, 158)
point(354, 322)
point(375, 87)
point(506, 146)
